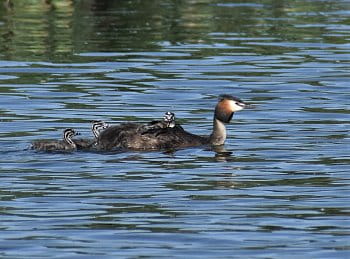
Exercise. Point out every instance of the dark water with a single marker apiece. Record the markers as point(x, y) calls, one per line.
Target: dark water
point(282, 192)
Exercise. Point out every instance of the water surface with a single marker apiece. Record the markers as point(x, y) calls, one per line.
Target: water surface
point(280, 188)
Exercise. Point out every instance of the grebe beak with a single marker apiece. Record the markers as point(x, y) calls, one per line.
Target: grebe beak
point(248, 106)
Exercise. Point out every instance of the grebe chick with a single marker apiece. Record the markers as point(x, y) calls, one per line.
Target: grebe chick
point(129, 136)
point(67, 144)
point(169, 119)
point(96, 128)
point(159, 127)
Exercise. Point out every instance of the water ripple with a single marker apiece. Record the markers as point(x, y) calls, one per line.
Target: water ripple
point(280, 184)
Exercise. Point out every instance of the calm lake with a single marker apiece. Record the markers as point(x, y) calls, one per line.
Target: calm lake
point(278, 189)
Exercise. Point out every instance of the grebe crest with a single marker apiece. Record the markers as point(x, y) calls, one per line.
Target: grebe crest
point(227, 106)
point(97, 127)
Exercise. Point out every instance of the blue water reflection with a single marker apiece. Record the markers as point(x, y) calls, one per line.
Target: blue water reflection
point(279, 187)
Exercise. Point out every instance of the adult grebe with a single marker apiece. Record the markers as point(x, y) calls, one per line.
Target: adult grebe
point(67, 144)
point(133, 136)
point(96, 128)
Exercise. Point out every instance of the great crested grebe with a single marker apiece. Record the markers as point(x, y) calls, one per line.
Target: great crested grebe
point(67, 144)
point(96, 128)
point(132, 136)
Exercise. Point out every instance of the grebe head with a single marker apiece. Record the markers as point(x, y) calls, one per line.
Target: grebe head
point(68, 134)
point(98, 126)
point(169, 118)
point(227, 106)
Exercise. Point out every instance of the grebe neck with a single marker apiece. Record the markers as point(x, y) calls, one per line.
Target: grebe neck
point(218, 136)
point(70, 142)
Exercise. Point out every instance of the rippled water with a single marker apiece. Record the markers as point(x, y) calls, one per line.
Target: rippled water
point(279, 189)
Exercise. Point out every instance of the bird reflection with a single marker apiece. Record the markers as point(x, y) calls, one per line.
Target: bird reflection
point(221, 153)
